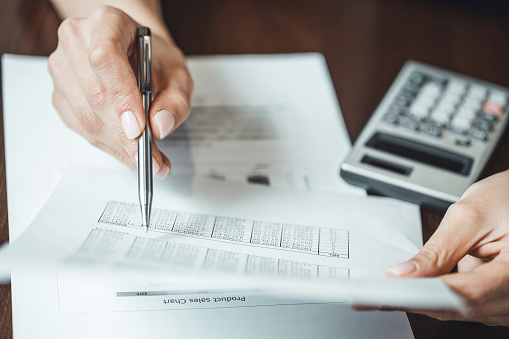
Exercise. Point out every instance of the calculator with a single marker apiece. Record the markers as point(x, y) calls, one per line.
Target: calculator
point(430, 137)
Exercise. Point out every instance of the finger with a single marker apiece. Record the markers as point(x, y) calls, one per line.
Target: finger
point(488, 312)
point(485, 283)
point(111, 41)
point(171, 105)
point(160, 164)
point(460, 230)
point(77, 113)
point(502, 320)
point(70, 120)
point(469, 263)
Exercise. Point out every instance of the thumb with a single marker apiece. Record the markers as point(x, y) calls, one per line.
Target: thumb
point(454, 238)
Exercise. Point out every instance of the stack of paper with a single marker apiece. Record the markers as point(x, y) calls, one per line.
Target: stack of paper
point(327, 247)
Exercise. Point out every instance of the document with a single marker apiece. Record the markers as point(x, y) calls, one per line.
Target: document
point(37, 307)
point(89, 220)
point(266, 120)
point(218, 234)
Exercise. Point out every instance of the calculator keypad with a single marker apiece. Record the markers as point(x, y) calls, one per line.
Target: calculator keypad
point(434, 106)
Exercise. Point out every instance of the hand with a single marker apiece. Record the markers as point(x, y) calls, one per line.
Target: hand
point(96, 92)
point(474, 234)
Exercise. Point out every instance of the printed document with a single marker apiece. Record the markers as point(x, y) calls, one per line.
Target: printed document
point(224, 228)
point(299, 88)
point(267, 120)
point(232, 236)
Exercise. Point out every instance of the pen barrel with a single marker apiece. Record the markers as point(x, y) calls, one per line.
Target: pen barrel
point(145, 164)
point(144, 77)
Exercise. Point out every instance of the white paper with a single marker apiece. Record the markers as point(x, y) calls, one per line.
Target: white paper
point(228, 235)
point(78, 204)
point(34, 134)
point(42, 317)
point(293, 134)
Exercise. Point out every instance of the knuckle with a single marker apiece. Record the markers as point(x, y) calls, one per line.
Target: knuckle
point(182, 73)
point(53, 63)
point(97, 96)
point(124, 98)
point(67, 30)
point(89, 122)
point(130, 146)
point(100, 56)
point(182, 101)
point(475, 296)
point(465, 213)
point(431, 254)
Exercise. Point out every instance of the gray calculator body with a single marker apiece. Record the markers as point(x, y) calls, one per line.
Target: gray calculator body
point(430, 137)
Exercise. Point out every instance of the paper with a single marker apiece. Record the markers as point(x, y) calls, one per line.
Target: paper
point(52, 146)
point(129, 307)
point(83, 199)
point(229, 235)
point(270, 120)
point(41, 316)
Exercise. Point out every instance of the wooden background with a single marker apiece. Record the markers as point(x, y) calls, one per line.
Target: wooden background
point(365, 43)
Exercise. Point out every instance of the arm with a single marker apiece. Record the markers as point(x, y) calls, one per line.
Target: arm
point(95, 89)
point(145, 12)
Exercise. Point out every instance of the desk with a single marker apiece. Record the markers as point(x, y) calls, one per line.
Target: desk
point(365, 43)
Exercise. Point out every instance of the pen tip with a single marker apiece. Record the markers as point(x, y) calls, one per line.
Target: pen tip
point(146, 228)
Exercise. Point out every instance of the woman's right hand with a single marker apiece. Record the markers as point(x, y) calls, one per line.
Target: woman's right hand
point(95, 88)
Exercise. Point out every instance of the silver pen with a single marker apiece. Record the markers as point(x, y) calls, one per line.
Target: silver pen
point(144, 59)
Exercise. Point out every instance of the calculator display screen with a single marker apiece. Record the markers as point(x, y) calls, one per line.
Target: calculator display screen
point(422, 153)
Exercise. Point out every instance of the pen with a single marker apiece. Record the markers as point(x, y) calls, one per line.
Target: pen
point(144, 59)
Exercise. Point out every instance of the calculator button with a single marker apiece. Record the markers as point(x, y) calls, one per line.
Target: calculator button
point(446, 107)
point(438, 81)
point(488, 116)
point(457, 87)
point(466, 112)
point(472, 103)
point(478, 134)
point(418, 112)
point(477, 91)
point(483, 125)
point(440, 119)
point(498, 98)
point(461, 124)
point(492, 108)
point(410, 124)
point(410, 88)
point(417, 78)
point(395, 110)
point(403, 100)
point(391, 118)
point(451, 98)
point(432, 130)
point(430, 90)
point(463, 142)
point(424, 101)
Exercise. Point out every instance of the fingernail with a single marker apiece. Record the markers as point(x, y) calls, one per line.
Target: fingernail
point(404, 268)
point(165, 121)
point(163, 173)
point(130, 124)
point(155, 166)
